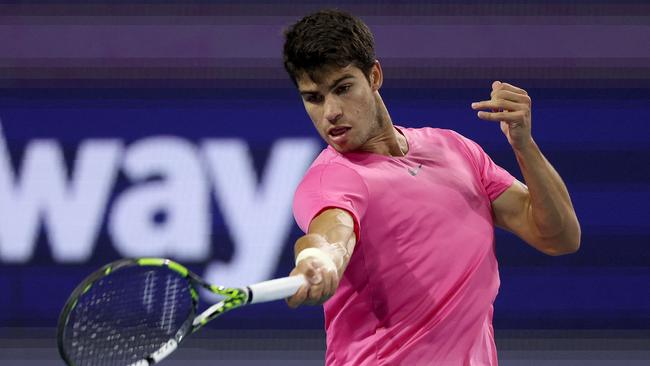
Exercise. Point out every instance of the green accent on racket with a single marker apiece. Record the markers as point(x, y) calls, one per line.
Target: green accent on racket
point(136, 312)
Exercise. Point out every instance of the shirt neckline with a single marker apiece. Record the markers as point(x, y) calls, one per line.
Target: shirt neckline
point(367, 154)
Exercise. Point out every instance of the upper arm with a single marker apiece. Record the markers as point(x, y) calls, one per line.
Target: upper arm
point(329, 186)
point(511, 212)
point(328, 206)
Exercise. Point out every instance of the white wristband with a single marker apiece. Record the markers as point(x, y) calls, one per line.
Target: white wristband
point(319, 254)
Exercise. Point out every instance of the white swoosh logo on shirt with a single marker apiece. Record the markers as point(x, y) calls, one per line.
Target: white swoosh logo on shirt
point(415, 171)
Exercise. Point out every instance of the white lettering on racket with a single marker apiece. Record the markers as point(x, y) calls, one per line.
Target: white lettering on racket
point(140, 363)
point(165, 350)
point(159, 355)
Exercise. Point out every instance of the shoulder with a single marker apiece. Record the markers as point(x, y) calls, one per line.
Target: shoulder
point(329, 182)
point(446, 144)
point(431, 133)
point(330, 162)
point(332, 171)
point(442, 137)
point(443, 134)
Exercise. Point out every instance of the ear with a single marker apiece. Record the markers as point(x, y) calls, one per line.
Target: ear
point(376, 76)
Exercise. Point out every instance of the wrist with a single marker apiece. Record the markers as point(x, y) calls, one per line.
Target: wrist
point(325, 258)
point(525, 146)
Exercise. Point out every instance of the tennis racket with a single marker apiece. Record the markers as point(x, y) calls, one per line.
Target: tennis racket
point(135, 312)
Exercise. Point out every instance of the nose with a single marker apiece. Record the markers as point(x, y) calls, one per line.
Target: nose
point(333, 110)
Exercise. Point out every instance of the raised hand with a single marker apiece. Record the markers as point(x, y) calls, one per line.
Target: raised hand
point(511, 106)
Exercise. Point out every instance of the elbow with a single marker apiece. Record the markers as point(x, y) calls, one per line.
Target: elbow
point(567, 243)
point(562, 249)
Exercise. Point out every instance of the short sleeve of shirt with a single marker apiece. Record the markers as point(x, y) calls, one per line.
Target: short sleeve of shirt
point(330, 185)
point(495, 179)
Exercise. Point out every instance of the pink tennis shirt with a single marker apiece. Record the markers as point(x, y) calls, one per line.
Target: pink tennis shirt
point(421, 282)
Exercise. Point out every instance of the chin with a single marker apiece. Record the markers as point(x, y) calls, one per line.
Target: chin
point(347, 146)
point(341, 149)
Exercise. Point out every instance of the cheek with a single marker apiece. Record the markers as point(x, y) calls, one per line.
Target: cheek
point(357, 112)
point(358, 106)
point(364, 112)
point(317, 121)
point(313, 115)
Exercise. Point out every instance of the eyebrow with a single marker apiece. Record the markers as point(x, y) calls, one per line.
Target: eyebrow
point(332, 86)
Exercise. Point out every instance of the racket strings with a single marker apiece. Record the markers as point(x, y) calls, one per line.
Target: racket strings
point(126, 316)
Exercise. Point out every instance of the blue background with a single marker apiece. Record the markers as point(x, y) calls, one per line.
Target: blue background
point(596, 139)
point(211, 69)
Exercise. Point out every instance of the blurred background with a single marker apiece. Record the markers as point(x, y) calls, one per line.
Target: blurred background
point(169, 128)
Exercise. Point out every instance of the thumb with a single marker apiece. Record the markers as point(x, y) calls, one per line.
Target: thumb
point(313, 275)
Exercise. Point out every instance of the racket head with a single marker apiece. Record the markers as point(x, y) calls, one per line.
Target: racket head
point(127, 311)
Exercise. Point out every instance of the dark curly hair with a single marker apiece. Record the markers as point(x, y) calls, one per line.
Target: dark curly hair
point(326, 39)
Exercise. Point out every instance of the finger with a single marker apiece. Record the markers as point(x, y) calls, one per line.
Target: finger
point(499, 105)
point(497, 85)
point(308, 267)
point(314, 273)
point(511, 96)
point(514, 89)
point(299, 297)
point(327, 281)
point(516, 116)
point(328, 284)
point(315, 293)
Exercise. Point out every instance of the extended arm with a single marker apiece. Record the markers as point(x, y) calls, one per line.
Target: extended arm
point(322, 256)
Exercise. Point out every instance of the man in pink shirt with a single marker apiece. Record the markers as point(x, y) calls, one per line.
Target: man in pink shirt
point(399, 222)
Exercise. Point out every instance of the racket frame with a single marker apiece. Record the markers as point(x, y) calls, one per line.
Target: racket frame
point(233, 298)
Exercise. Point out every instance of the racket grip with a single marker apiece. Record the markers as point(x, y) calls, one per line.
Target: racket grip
point(275, 289)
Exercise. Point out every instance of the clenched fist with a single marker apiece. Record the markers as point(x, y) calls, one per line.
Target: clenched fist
point(322, 281)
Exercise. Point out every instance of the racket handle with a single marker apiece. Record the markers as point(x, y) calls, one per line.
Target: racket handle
point(275, 289)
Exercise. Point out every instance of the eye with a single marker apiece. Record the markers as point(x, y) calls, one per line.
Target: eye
point(343, 89)
point(313, 98)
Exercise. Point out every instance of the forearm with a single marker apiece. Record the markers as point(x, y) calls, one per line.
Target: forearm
point(332, 232)
point(549, 211)
point(322, 256)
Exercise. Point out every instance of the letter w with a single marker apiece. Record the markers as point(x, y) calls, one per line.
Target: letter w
point(72, 211)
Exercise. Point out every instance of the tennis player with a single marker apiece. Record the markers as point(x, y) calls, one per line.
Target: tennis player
point(399, 222)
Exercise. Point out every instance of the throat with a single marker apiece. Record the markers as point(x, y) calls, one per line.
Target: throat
point(402, 143)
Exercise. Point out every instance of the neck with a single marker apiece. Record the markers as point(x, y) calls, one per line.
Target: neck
point(388, 140)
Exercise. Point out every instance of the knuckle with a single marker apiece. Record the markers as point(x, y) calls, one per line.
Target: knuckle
point(315, 292)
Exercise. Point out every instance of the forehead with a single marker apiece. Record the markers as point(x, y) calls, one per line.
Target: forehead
point(325, 77)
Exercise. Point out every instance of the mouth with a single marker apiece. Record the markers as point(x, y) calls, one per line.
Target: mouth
point(338, 135)
point(338, 131)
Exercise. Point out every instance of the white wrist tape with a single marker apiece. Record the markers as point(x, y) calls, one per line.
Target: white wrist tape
point(319, 254)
